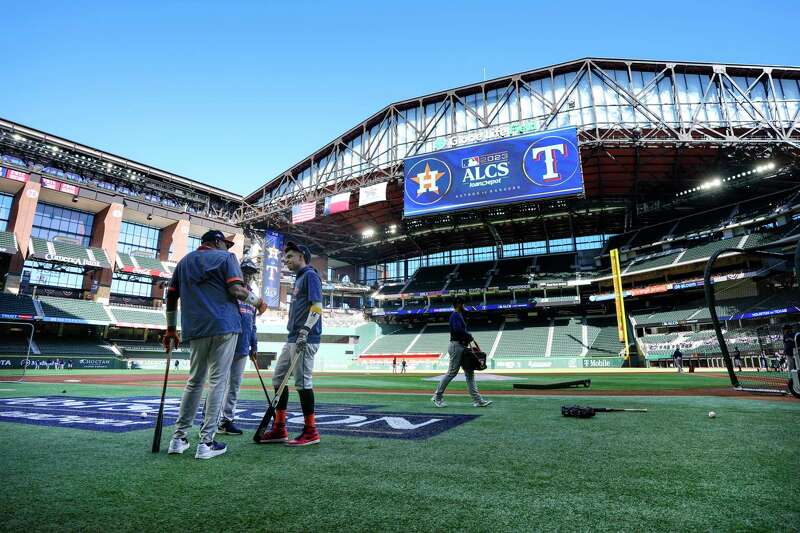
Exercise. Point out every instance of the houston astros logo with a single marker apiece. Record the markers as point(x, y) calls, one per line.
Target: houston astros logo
point(550, 161)
point(428, 181)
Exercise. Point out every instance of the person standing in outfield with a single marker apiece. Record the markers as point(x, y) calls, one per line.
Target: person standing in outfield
point(394, 365)
point(208, 281)
point(305, 330)
point(459, 340)
point(789, 347)
point(246, 346)
point(177, 363)
point(677, 359)
point(403, 367)
point(737, 358)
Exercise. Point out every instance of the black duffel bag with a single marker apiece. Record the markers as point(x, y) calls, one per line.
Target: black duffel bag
point(472, 358)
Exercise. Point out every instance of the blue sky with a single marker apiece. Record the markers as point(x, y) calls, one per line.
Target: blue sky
point(234, 93)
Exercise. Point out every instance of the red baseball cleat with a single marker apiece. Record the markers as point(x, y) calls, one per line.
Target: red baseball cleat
point(310, 435)
point(276, 434)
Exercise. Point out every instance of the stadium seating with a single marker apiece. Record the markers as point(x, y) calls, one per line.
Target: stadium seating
point(707, 250)
point(70, 309)
point(567, 338)
point(519, 341)
point(430, 278)
point(484, 335)
point(132, 349)
point(132, 315)
point(15, 346)
point(396, 341)
point(12, 304)
point(512, 272)
point(555, 263)
point(71, 250)
point(390, 290)
point(434, 339)
point(79, 347)
point(8, 242)
point(603, 337)
point(651, 263)
point(471, 276)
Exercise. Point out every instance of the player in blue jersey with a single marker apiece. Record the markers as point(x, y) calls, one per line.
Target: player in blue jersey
point(305, 330)
point(246, 346)
point(208, 282)
point(459, 340)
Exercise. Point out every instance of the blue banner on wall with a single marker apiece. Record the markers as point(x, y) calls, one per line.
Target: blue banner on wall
point(271, 271)
point(529, 167)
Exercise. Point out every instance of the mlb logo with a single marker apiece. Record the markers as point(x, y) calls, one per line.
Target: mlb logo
point(473, 161)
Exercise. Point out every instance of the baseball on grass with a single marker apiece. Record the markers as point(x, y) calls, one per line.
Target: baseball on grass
point(712, 414)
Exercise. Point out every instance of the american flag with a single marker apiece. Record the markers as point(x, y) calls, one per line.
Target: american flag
point(303, 212)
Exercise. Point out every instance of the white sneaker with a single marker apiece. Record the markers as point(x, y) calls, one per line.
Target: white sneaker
point(482, 403)
point(178, 445)
point(209, 450)
point(438, 402)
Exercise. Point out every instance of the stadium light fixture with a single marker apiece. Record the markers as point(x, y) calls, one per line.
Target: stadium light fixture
point(392, 229)
point(368, 233)
point(17, 137)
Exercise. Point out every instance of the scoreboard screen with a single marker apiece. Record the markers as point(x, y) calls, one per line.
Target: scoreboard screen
point(536, 166)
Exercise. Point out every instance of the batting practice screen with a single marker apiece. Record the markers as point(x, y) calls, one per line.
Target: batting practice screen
point(529, 167)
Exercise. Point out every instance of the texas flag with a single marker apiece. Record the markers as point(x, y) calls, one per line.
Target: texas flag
point(337, 203)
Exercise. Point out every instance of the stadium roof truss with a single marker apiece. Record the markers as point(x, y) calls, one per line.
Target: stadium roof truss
point(643, 126)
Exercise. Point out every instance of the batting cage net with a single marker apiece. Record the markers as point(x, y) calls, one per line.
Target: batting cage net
point(756, 319)
point(15, 350)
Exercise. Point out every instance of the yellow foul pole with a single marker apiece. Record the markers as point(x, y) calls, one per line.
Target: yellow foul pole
point(619, 301)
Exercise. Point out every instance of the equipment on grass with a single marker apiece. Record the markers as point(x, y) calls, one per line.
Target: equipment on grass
point(271, 406)
point(762, 345)
point(160, 418)
point(576, 411)
point(559, 385)
point(472, 358)
point(712, 414)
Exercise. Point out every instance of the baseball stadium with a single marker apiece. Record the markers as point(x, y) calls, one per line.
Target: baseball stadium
point(622, 235)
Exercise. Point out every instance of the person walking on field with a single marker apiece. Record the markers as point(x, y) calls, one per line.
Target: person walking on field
point(305, 331)
point(677, 359)
point(459, 340)
point(403, 367)
point(737, 358)
point(394, 365)
point(208, 281)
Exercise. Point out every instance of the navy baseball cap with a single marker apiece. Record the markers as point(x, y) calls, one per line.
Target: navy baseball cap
point(303, 249)
point(216, 235)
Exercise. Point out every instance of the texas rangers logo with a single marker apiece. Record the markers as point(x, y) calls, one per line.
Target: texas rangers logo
point(551, 161)
point(428, 181)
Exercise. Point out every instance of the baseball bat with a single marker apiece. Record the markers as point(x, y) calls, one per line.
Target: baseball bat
point(262, 426)
point(612, 410)
point(160, 418)
point(258, 372)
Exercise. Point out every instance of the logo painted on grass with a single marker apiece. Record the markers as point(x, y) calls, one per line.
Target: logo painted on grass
point(124, 414)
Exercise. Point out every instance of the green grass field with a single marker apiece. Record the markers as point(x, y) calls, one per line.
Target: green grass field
point(519, 466)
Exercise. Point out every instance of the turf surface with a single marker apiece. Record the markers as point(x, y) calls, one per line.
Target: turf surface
point(519, 467)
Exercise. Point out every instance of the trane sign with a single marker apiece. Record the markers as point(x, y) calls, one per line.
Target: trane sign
point(536, 166)
point(55, 258)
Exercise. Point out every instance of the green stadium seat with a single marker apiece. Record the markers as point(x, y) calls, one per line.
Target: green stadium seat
point(72, 309)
